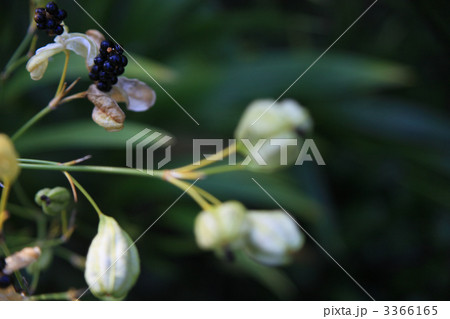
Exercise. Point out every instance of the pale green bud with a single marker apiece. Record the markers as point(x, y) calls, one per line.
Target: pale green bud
point(9, 169)
point(112, 262)
point(272, 238)
point(272, 131)
point(53, 201)
point(223, 226)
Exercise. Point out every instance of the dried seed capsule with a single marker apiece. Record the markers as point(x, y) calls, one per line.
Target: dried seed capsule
point(21, 259)
point(112, 262)
point(107, 112)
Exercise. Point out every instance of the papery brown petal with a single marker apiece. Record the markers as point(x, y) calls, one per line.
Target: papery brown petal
point(21, 259)
point(96, 35)
point(136, 94)
point(107, 112)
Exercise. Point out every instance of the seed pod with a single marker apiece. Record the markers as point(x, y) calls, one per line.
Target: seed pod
point(9, 169)
point(273, 237)
point(21, 259)
point(107, 112)
point(112, 262)
point(53, 201)
point(221, 227)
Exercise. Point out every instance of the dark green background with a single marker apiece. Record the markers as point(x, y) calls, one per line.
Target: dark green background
point(379, 99)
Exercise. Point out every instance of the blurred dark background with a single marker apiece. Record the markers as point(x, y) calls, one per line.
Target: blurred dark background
point(379, 99)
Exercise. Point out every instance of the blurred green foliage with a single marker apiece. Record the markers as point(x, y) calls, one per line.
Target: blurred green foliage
point(379, 99)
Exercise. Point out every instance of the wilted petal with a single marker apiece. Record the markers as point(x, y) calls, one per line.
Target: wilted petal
point(136, 94)
point(38, 63)
point(107, 112)
point(81, 44)
point(95, 35)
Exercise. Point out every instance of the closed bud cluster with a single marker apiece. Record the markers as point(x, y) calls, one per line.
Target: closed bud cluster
point(53, 201)
point(112, 262)
point(277, 126)
point(222, 226)
point(273, 237)
point(50, 19)
point(109, 64)
point(268, 237)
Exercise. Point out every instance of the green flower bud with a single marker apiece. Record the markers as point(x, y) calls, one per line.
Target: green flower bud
point(273, 131)
point(9, 169)
point(53, 201)
point(221, 227)
point(273, 237)
point(112, 262)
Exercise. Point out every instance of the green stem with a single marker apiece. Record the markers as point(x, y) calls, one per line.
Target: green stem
point(67, 295)
point(222, 169)
point(31, 122)
point(90, 169)
point(63, 76)
point(88, 197)
point(22, 46)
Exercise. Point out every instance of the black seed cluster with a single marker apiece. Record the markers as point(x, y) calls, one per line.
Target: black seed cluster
point(109, 64)
point(5, 281)
point(50, 18)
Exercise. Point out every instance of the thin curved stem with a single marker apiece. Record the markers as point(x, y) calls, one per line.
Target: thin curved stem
point(3, 201)
point(31, 122)
point(222, 169)
point(209, 160)
point(191, 192)
point(22, 46)
point(88, 197)
point(63, 76)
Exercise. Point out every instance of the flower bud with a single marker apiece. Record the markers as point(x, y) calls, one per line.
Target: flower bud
point(272, 238)
point(112, 262)
point(272, 130)
point(53, 201)
point(221, 227)
point(9, 169)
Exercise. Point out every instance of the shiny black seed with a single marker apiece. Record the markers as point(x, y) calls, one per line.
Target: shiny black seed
point(5, 281)
point(103, 86)
point(95, 69)
point(124, 60)
point(59, 30)
point(61, 14)
point(51, 24)
point(93, 76)
point(118, 49)
point(105, 45)
point(51, 7)
point(115, 59)
point(119, 70)
point(41, 26)
point(40, 11)
point(103, 76)
point(99, 60)
point(113, 79)
point(40, 18)
point(108, 67)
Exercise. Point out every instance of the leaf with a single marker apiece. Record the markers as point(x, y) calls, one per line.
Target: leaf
point(80, 134)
